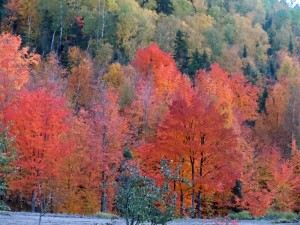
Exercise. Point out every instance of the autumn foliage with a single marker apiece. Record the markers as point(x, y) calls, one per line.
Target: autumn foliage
point(75, 125)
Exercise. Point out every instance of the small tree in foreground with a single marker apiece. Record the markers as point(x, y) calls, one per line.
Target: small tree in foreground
point(6, 157)
point(140, 199)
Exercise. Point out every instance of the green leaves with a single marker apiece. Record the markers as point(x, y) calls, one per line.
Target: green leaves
point(139, 199)
point(7, 155)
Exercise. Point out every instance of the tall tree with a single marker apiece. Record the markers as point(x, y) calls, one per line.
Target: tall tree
point(164, 6)
point(14, 66)
point(80, 88)
point(40, 122)
point(193, 133)
point(181, 54)
point(108, 134)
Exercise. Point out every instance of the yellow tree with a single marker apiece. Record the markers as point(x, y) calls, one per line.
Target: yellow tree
point(80, 89)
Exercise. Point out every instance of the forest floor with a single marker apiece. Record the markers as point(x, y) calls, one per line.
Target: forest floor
point(24, 218)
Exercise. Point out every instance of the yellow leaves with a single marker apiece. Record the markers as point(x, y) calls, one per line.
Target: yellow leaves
point(136, 26)
point(196, 26)
point(115, 76)
point(79, 88)
point(289, 68)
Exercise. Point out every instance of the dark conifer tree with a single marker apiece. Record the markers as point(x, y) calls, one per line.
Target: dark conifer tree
point(164, 6)
point(205, 61)
point(291, 45)
point(245, 52)
point(195, 64)
point(250, 73)
point(181, 54)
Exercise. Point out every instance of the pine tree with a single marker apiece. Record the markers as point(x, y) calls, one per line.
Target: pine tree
point(164, 6)
point(291, 45)
point(205, 62)
point(198, 62)
point(195, 64)
point(245, 52)
point(250, 73)
point(181, 54)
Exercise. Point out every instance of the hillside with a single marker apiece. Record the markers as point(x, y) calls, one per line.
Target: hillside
point(150, 108)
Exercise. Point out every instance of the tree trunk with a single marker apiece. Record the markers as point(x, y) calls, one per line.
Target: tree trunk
point(52, 42)
point(29, 30)
point(40, 219)
point(33, 201)
point(99, 19)
point(199, 204)
point(181, 202)
point(104, 201)
point(192, 160)
point(104, 176)
point(61, 27)
point(103, 19)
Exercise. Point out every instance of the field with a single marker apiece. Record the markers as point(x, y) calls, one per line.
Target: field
point(22, 218)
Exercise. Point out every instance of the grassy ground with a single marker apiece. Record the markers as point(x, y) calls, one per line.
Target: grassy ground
point(24, 218)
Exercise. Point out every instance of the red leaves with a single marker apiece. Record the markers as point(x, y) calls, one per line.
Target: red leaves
point(40, 123)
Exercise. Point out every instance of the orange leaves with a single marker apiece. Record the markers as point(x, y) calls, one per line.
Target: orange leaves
point(284, 187)
point(14, 66)
point(153, 62)
point(80, 89)
point(108, 135)
point(40, 123)
point(193, 132)
point(234, 97)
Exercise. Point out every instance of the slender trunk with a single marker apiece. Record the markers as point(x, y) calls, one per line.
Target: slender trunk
point(192, 160)
point(61, 26)
point(99, 18)
point(52, 42)
point(76, 99)
point(33, 201)
point(103, 195)
point(199, 205)
point(104, 175)
point(88, 46)
point(40, 219)
point(193, 4)
point(181, 202)
point(29, 30)
point(103, 19)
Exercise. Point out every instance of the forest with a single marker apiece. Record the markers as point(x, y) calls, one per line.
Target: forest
point(150, 109)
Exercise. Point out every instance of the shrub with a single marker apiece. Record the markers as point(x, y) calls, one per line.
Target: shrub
point(243, 215)
point(103, 215)
point(139, 199)
point(282, 217)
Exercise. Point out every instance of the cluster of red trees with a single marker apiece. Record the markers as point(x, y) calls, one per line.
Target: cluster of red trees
point(72, 126)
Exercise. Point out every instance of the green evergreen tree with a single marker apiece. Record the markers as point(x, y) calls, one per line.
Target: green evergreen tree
point(272, 71)
point(195, 64)
point(262, 101)
point(250, 73)
point(205, 61)
point(245, 52)
point(181, 54)
point(7, 155)
point(164, 6)
point(291, 46)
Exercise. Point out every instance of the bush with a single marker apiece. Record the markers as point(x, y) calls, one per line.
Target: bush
point(139, 199)
point(282, 217)
point(103, 215)
point(243, 215)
